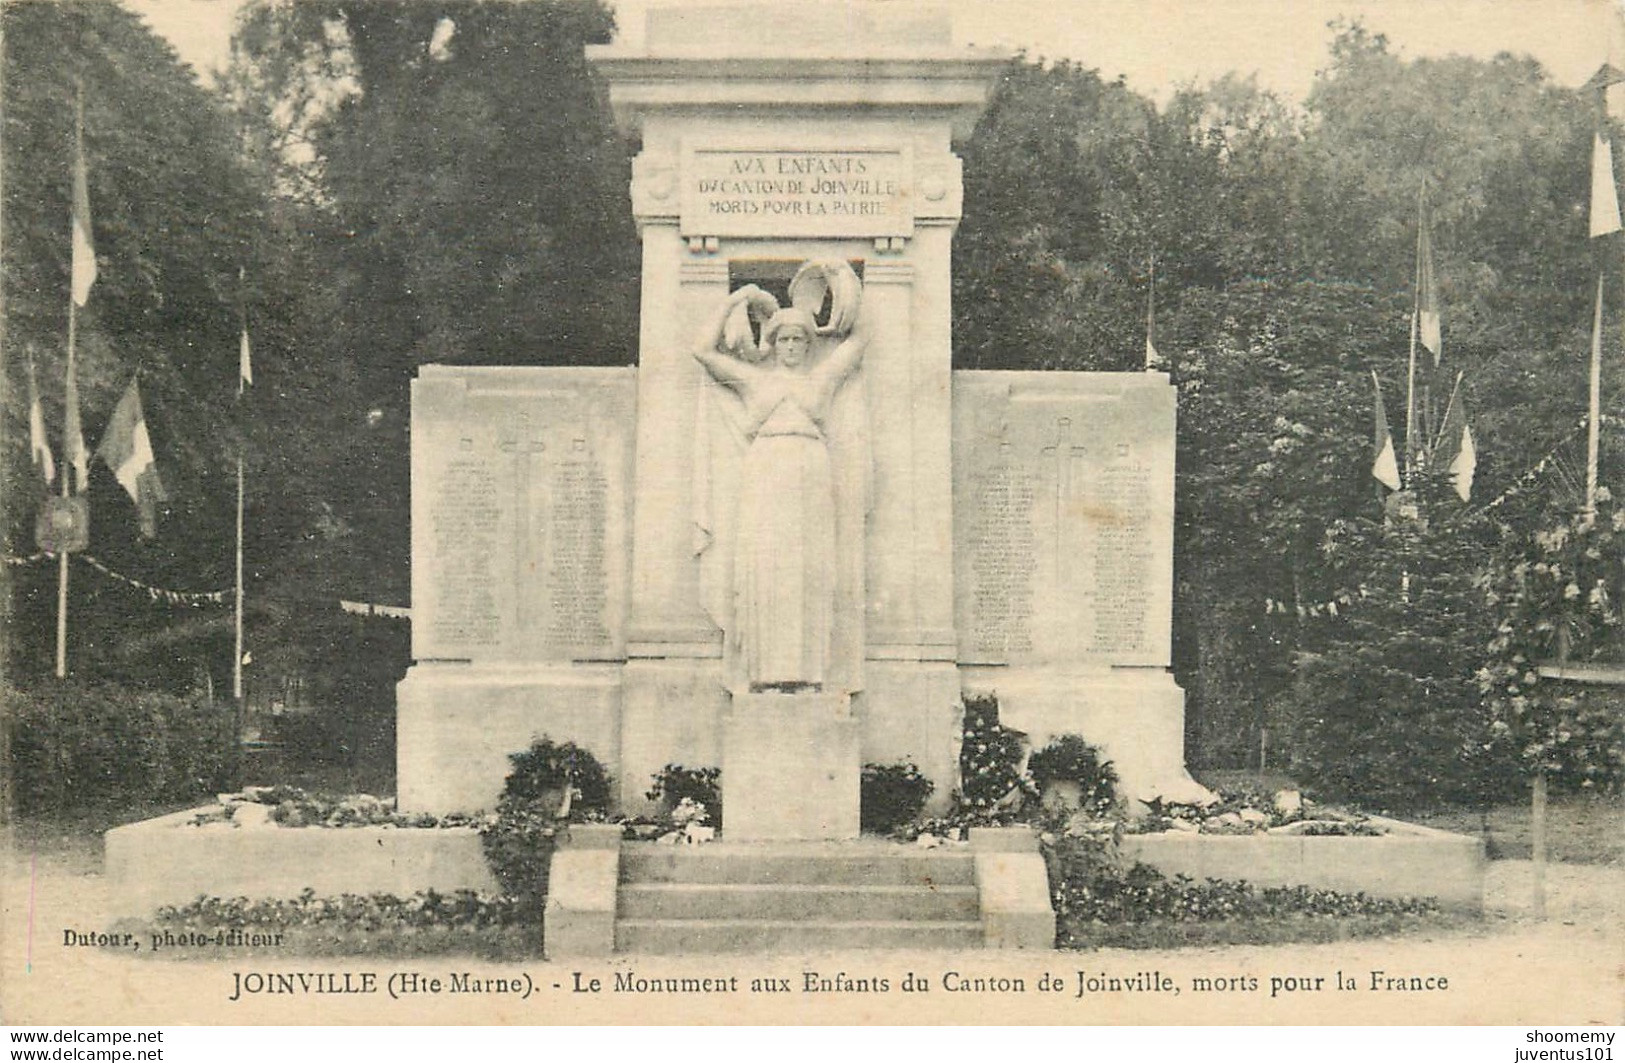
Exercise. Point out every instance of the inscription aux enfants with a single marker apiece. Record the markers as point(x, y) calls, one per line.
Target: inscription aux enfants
point(797, 193)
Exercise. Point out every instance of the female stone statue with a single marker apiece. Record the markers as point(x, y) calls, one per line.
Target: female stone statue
point(792, 611)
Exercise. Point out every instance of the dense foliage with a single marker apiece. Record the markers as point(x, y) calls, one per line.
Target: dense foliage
point(77, 744)
point(1069, 758)
point(990, 758)
point(1558, 601)
point(1093, 891)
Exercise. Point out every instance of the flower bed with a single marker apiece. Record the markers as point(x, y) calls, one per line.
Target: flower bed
point(1103, 896)
point(422, 924)
point(1247, 811)
point(289, 806)
point(173, 859)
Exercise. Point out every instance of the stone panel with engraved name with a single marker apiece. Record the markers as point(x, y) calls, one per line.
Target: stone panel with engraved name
point(520, 486)
point(1063, 518)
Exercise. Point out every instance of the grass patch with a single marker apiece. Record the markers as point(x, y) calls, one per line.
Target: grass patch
point(1270, 930)
point(1580, 828)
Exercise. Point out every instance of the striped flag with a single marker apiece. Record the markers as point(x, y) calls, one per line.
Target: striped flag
point(1153, 360)
point(84, 248)
point(127, 450)
point(1604, 193)
point(39, 450)
point(1456, 453)
point(1427, 292)
point(1384, 464)
point(245, 367)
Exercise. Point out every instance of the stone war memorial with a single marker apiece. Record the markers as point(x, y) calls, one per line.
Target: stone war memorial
point(792, 540)
point(792, 537)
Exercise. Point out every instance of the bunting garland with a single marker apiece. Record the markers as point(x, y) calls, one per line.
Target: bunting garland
point(393, 612)
point(157, 593)
point(1544, 463)
point(1330, 608)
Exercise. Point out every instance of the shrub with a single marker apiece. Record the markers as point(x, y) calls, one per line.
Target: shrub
point(1071, 759)
point(519, 843)
point(891, 796)
point(989, 756)
point(1558, 595)
point(76, 744)
point(703, 786)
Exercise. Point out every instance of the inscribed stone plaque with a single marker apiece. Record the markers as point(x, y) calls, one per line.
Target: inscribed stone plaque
point(1063, 499)
point(519, 513)
point(797, 192)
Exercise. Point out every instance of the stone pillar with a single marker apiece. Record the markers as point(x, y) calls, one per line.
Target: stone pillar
point(790, 768)
point(666, 619)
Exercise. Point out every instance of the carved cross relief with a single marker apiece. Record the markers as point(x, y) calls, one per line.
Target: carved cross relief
point(523, 440)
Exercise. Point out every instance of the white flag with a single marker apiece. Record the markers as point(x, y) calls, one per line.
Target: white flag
point(245, 368)
point(1604, 194)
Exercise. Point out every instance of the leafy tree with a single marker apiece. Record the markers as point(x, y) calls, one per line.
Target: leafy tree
point(466, 199)
point(1050, 161)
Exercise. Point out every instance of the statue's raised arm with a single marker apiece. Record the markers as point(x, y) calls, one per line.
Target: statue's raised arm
point(727, 334)
point(844, 360)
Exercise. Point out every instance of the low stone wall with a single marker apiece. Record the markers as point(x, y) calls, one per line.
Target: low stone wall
point(166, 861)
point(1408, 861)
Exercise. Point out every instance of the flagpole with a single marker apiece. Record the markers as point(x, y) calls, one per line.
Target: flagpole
point(1410, 379)
point(237, 647)
point(1150, 311)
point(1449, 405)
point(237, 659)
point(62, 555)
point(67, 449)
point(1594, 410)
point(237, 706)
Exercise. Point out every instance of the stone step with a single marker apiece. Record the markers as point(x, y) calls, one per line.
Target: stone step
point(881, 864)
point(775, 901)
point(681, 936)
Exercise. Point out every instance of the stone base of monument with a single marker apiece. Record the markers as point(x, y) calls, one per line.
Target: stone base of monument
point(671, 710)
point(458, 723)
point(791, 765)
point(1135, 716)
point(910, 713)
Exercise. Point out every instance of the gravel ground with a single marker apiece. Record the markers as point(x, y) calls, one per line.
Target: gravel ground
point(1509, 969)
